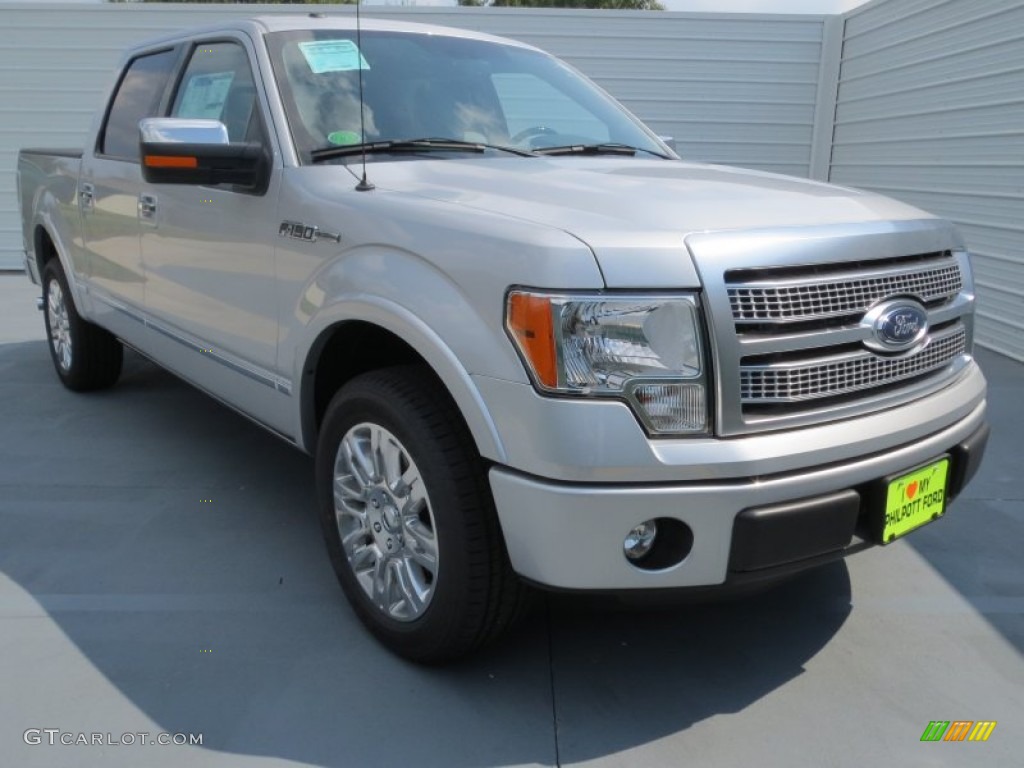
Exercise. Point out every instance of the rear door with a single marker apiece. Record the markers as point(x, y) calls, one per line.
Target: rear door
point(108, 193)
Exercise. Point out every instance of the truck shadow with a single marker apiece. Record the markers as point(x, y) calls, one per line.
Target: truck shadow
point(976, 548)
point(176, 546)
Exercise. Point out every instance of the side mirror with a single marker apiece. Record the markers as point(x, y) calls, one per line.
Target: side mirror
point(177, 150)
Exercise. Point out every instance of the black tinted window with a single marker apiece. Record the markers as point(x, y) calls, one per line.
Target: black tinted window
point(137, 97)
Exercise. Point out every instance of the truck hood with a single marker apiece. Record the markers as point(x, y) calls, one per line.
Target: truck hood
point(632, 211)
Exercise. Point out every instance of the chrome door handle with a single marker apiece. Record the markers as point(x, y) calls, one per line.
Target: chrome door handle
point(147, 206)
point(86, 195)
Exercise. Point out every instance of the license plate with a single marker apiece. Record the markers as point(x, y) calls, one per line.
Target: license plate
point(914, 499)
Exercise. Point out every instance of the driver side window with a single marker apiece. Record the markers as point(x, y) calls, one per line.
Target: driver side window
point(218, 85)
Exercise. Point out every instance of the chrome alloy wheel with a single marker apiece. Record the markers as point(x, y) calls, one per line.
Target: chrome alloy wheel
point(60, 324)
point(385, 521)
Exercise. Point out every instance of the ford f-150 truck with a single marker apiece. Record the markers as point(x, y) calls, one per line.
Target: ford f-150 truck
point(526, 343)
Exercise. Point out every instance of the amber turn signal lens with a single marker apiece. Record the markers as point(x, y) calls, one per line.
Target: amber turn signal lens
point(164, 161)
point(529, 320)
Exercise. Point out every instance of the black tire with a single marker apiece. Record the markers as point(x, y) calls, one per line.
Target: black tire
point(475, 596)
point(90, 357)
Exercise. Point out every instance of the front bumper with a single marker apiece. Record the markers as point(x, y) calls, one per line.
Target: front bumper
point(570, 535)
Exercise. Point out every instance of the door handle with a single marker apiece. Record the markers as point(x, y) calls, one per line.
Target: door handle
point(147, 207)
point(86, 196)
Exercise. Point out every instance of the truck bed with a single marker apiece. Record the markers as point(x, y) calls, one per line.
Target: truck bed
point(47, 176)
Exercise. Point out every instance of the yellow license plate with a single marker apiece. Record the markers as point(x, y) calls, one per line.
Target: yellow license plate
point(914, 499)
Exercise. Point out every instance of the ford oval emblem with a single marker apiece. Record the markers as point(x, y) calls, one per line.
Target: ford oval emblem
point(895, 325)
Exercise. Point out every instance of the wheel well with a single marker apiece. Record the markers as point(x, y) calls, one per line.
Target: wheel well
point(340, 354)
point(44, 248)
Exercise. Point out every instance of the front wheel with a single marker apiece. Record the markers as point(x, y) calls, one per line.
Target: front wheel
point(86, 356)
point(409, 519)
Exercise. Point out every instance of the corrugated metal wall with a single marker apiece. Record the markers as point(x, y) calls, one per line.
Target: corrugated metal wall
point(930, 109)
point(735, 89)
point(929, 105)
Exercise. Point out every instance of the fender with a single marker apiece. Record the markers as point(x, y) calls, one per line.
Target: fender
point(413, 330)
point(79, 293)
point(418, 304)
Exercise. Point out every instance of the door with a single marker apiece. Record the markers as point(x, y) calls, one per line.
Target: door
point(208, 250)
point(108, 194)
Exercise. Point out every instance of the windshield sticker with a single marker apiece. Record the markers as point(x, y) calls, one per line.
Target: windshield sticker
point(343, 138)
point(332, 56)
point(205, 95)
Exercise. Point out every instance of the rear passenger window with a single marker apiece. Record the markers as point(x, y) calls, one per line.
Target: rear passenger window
point(218, 85)
point(138, 96)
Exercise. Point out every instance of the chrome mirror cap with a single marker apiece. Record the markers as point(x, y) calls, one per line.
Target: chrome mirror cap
point(179, 130)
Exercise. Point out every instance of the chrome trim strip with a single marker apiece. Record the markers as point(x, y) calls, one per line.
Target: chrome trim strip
point(818, 412)
point(791, 300)
point(792, 382)
point(122, 308)
point(764, 344)
point(256, 373)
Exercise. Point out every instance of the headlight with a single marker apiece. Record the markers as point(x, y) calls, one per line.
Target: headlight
point(644, 349)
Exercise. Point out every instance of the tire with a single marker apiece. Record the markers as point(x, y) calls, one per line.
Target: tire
point(86, 356)
point(424, 564)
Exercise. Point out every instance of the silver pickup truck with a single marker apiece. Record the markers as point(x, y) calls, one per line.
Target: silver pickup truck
point(526, 343)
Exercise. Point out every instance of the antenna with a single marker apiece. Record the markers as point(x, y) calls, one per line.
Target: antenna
point(364, 184)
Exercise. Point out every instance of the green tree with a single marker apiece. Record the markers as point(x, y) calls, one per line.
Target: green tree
point(619, 5)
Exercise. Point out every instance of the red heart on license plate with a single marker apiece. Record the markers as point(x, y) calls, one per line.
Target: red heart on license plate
point(912, 490)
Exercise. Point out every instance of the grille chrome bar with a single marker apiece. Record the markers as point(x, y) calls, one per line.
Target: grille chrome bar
point(791, 340)
point(797, 381)
point(818, 297)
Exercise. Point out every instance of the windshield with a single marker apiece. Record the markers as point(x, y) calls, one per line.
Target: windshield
point(418, 86)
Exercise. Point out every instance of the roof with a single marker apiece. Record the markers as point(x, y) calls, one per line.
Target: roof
point(259, 25)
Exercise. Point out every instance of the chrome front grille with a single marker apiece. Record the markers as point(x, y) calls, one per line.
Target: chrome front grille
point(811, 297)
point(793, 340)
point(843, 374)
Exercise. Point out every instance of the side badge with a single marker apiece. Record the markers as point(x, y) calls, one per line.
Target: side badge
point(296, 230)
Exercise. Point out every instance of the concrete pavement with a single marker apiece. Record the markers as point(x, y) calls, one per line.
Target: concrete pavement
point(129, 603)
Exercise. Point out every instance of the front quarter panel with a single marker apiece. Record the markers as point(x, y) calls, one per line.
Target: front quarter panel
point(428, 271)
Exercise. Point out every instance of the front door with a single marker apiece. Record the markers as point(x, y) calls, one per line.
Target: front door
point(208, 250)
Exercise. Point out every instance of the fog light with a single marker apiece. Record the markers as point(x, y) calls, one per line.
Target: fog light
point(672, 407)
point(640, 540)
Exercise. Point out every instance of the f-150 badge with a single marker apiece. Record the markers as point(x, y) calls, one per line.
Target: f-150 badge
point(299, 231)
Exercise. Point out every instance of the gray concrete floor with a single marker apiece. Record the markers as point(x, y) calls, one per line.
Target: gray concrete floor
point(128, 604)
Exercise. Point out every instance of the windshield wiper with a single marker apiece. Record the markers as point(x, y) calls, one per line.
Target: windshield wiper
point(607, 148)
point(411, 145)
